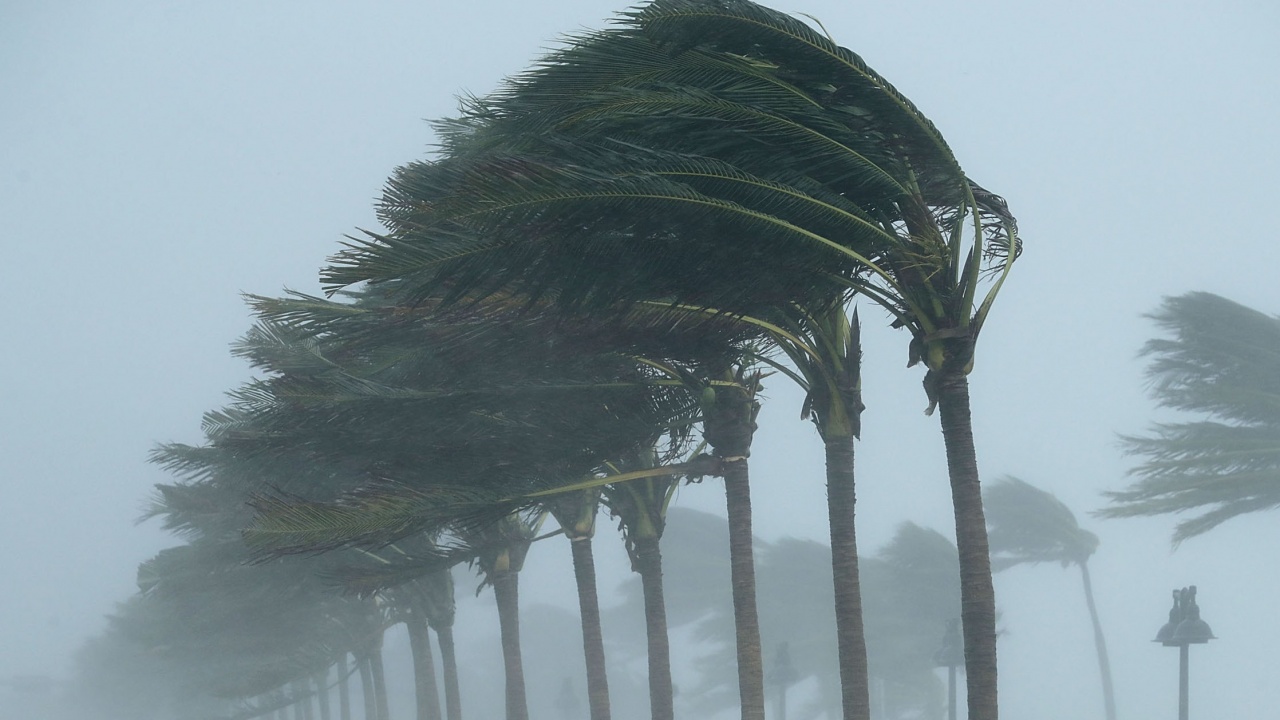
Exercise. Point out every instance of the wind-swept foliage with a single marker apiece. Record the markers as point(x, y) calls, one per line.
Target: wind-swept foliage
point(1219, 362)
point(719, 155)
point(1031, 526)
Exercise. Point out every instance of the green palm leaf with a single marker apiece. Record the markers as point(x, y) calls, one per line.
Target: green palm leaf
point(1222, 362)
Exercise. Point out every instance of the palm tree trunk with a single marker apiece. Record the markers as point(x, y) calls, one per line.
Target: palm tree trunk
point(584, 570)
point(344, 690)
point(977, 594)
point(321, 681)
point(426, 692)
point(1099, 642)
point(648, 562)
point(737, 490)
point(449, 659)
point(850, 638)
point(366, 688)
point(379, 681)
point(301, 699)
point(506, 589)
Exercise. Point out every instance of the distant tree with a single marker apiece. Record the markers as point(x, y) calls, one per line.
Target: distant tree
point(1028, 526)
point(1221, 361)
point(910, 592)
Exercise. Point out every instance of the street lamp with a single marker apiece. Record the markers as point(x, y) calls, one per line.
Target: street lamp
point(1184, 629)
point(950, 656)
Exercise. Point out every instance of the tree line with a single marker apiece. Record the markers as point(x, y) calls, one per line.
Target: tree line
point(574, 306)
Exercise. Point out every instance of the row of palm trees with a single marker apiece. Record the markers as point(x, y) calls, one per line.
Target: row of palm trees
point(596, 273)
point(721, 157)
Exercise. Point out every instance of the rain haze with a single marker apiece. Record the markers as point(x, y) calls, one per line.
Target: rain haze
point(160, 158)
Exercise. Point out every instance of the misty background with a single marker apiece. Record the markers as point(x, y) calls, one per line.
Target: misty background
point(159, 158)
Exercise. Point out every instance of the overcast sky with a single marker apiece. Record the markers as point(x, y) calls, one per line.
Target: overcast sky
point(158, 158)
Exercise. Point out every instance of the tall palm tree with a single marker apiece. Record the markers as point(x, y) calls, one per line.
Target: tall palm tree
point(693, 123)
point(825, 349)
point(1220, 362)
point(576, 514)
point(1029, 526)
point(729, 423)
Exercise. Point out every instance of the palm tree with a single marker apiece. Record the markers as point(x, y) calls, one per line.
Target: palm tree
point(914, 593)
point(698, 121)
point(1221, 362)
point(1029, 526)
point(576, 514)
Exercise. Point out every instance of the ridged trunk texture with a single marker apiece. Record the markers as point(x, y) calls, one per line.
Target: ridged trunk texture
point(584, 570)
point(1099, 643)
point(850, 638)
point(737, 490)
point(648, 563)
point(506, 589)
point(977, 595)
point(449, 663)
point(426, 692)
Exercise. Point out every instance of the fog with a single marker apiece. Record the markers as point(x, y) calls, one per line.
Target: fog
point(160, 158)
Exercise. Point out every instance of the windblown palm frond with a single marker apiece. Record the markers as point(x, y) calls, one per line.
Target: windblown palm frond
point(1222, 362)
point(1028, 525)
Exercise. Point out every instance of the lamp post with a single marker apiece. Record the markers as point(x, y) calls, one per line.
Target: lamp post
point(950, 656)
point(1184, 629)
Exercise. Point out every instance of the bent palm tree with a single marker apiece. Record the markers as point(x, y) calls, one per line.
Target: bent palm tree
point(1222, 362)
point(1029, 526)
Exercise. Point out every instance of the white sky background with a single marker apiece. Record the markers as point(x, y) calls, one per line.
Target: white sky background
point(157, 158)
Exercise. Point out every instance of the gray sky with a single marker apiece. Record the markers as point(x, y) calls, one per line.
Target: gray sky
point(157, 158)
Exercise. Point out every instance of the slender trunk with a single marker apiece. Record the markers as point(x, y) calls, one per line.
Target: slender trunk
point(743, 573)
point(379, 682)
point(648, 562)
point(366, 689)
point(977, 595)
point(344, 690)
point(426, 692)
point(301, 700)
point(584, 570)
point(850, 638)
point(506, 589)
point(449, 659)
point(1099, 642)
point(321, 681)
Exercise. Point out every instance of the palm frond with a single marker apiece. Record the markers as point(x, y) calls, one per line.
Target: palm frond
point(1222, 362)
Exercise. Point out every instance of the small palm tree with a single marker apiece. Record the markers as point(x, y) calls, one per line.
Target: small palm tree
point(1029, 526)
